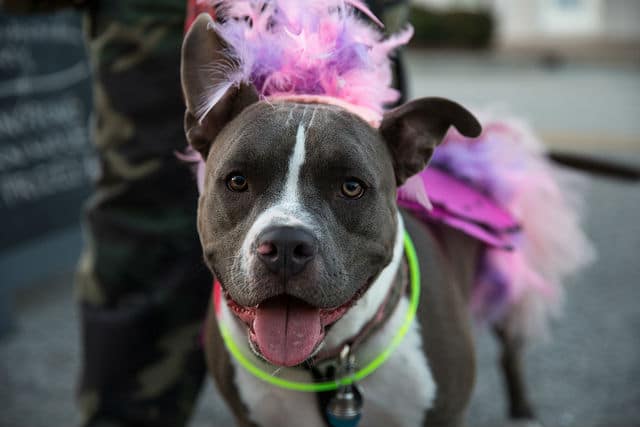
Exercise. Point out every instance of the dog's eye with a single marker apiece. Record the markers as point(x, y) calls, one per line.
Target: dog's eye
point(237, 182)
point(352, 189)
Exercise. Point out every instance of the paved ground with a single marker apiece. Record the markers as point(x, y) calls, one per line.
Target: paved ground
point(597, 104)
point(588, 376)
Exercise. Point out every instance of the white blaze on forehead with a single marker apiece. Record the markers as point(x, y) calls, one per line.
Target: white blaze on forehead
point(295, 164)
point(288, 209)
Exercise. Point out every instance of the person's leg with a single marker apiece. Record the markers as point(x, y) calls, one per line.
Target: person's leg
point(142, 285)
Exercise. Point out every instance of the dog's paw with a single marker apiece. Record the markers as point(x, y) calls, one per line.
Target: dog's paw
point(523, 423)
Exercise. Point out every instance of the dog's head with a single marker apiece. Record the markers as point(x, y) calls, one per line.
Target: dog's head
point(298, 211)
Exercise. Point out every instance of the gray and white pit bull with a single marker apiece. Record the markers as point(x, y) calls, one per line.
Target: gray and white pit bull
point(298, 221)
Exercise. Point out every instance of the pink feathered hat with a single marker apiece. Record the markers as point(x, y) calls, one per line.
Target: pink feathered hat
point(307, 51)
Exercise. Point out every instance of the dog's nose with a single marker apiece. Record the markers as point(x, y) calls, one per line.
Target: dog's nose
point(286, 250)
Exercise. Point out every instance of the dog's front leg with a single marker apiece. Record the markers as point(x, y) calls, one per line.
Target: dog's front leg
point(444, 321)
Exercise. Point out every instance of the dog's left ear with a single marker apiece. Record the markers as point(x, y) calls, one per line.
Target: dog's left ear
point(211, 100)
point(413, 130)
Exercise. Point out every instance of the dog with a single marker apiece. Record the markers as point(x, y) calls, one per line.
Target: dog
point(300, 225)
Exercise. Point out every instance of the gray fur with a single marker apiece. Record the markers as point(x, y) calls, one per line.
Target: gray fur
point(355, 236)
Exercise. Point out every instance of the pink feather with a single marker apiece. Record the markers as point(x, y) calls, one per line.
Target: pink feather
point(315, 47)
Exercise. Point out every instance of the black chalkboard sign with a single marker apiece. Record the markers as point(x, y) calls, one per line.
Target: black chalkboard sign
point(46, 159)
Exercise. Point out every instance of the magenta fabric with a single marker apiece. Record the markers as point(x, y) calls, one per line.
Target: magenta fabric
point(461, 206)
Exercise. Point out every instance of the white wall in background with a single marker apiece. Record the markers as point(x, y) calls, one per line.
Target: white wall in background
point(571, 17)
point(516, 20)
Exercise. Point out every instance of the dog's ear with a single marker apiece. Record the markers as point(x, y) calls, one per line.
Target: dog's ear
point(205, 57)
point(413, 130)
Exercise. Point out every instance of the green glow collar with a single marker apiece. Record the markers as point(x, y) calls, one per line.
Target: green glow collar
point(235, 351)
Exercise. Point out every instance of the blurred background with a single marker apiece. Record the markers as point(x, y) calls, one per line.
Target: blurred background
point(570, 67)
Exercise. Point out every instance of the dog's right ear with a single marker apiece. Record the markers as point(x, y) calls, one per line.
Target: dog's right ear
point(212, 100)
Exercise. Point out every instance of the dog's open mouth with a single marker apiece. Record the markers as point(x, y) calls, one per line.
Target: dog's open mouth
point(287, 330)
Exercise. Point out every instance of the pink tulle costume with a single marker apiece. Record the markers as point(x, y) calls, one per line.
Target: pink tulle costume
point(498, 188)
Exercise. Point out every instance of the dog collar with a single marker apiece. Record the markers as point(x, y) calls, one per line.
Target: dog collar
point(234, 349)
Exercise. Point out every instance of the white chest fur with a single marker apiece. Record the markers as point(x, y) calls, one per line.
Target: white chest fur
point(395, 395)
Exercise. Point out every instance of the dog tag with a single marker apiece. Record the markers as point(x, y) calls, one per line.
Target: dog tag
point(345, 408)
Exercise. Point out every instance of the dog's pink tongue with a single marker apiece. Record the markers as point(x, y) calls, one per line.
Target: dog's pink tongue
point(287, 330)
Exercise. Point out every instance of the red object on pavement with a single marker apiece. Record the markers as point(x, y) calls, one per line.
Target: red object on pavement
point(195, 8)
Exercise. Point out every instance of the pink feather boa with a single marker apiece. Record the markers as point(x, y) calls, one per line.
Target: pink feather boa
point(313, 47)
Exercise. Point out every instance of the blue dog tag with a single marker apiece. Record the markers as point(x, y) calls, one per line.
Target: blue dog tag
point(345, 408)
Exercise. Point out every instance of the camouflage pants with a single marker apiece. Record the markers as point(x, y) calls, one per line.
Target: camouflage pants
point(142, 287)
